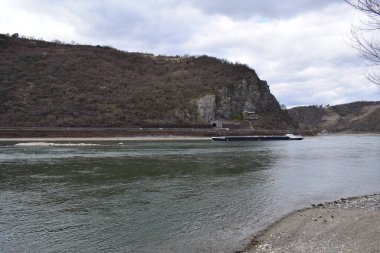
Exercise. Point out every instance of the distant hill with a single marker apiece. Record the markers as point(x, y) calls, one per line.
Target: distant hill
point(357, 116)
point(55, 84)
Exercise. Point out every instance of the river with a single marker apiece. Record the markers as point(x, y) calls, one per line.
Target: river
point(173, 196)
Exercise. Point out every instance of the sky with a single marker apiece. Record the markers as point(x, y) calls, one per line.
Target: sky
point(300, 47)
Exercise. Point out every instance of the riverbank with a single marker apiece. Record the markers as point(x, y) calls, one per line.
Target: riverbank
point(347, 225)
point(119, 132)
point(91, 139)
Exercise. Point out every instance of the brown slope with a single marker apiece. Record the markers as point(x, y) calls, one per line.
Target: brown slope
point(356, 116)
point(55, 84)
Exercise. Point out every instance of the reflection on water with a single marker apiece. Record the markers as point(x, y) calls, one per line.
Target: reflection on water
point(171, 196)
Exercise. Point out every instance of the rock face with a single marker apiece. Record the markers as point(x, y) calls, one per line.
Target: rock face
point(206, 109)
point(55, 84)
point(241, 100)
point(247, 95)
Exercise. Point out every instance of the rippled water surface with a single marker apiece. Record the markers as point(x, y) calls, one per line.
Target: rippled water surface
point(198, 196)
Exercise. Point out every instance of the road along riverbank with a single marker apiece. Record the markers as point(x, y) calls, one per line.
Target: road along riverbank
point(101, 132)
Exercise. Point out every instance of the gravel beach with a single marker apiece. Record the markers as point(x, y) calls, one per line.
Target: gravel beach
point(346, 225)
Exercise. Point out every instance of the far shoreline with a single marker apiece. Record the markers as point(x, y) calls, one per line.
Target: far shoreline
point(131, 138)
point(110, 132)
point(154, 137)
point(148, 134)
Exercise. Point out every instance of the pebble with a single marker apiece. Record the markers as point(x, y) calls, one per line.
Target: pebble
point(371, 202)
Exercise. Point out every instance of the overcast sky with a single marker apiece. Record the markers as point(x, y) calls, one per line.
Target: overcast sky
point(301, 47)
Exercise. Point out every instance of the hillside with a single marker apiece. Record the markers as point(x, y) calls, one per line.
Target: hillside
point(357, 116)
point(54, 84)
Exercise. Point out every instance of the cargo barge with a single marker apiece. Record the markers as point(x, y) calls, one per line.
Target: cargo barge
point(288, 137)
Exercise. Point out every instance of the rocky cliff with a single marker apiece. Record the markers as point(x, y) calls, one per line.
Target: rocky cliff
point(56, 84)
point(357, 116)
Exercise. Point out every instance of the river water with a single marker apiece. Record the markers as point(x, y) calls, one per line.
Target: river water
point(179, 196)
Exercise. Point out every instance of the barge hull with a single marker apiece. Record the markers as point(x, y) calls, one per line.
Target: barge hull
point(254, 138)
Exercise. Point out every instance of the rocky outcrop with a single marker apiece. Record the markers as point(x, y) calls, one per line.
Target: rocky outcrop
point(247, 95)
point(206, 109)
point(242, 100)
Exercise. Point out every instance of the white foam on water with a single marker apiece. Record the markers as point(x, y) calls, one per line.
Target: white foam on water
point(49, 144)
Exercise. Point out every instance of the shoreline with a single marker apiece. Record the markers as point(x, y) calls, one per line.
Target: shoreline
point(132, 138)
point(345, 225)
point(92, 134)
point(163, 137)
point(104, 132)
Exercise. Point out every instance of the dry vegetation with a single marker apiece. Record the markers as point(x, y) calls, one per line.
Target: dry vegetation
point(357, 116)
point(56, 84)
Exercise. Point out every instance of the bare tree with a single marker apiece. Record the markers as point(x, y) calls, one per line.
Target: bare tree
point(366, 37)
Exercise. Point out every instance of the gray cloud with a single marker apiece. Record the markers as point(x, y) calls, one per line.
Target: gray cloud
point(266, 9)
point(297, 46)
